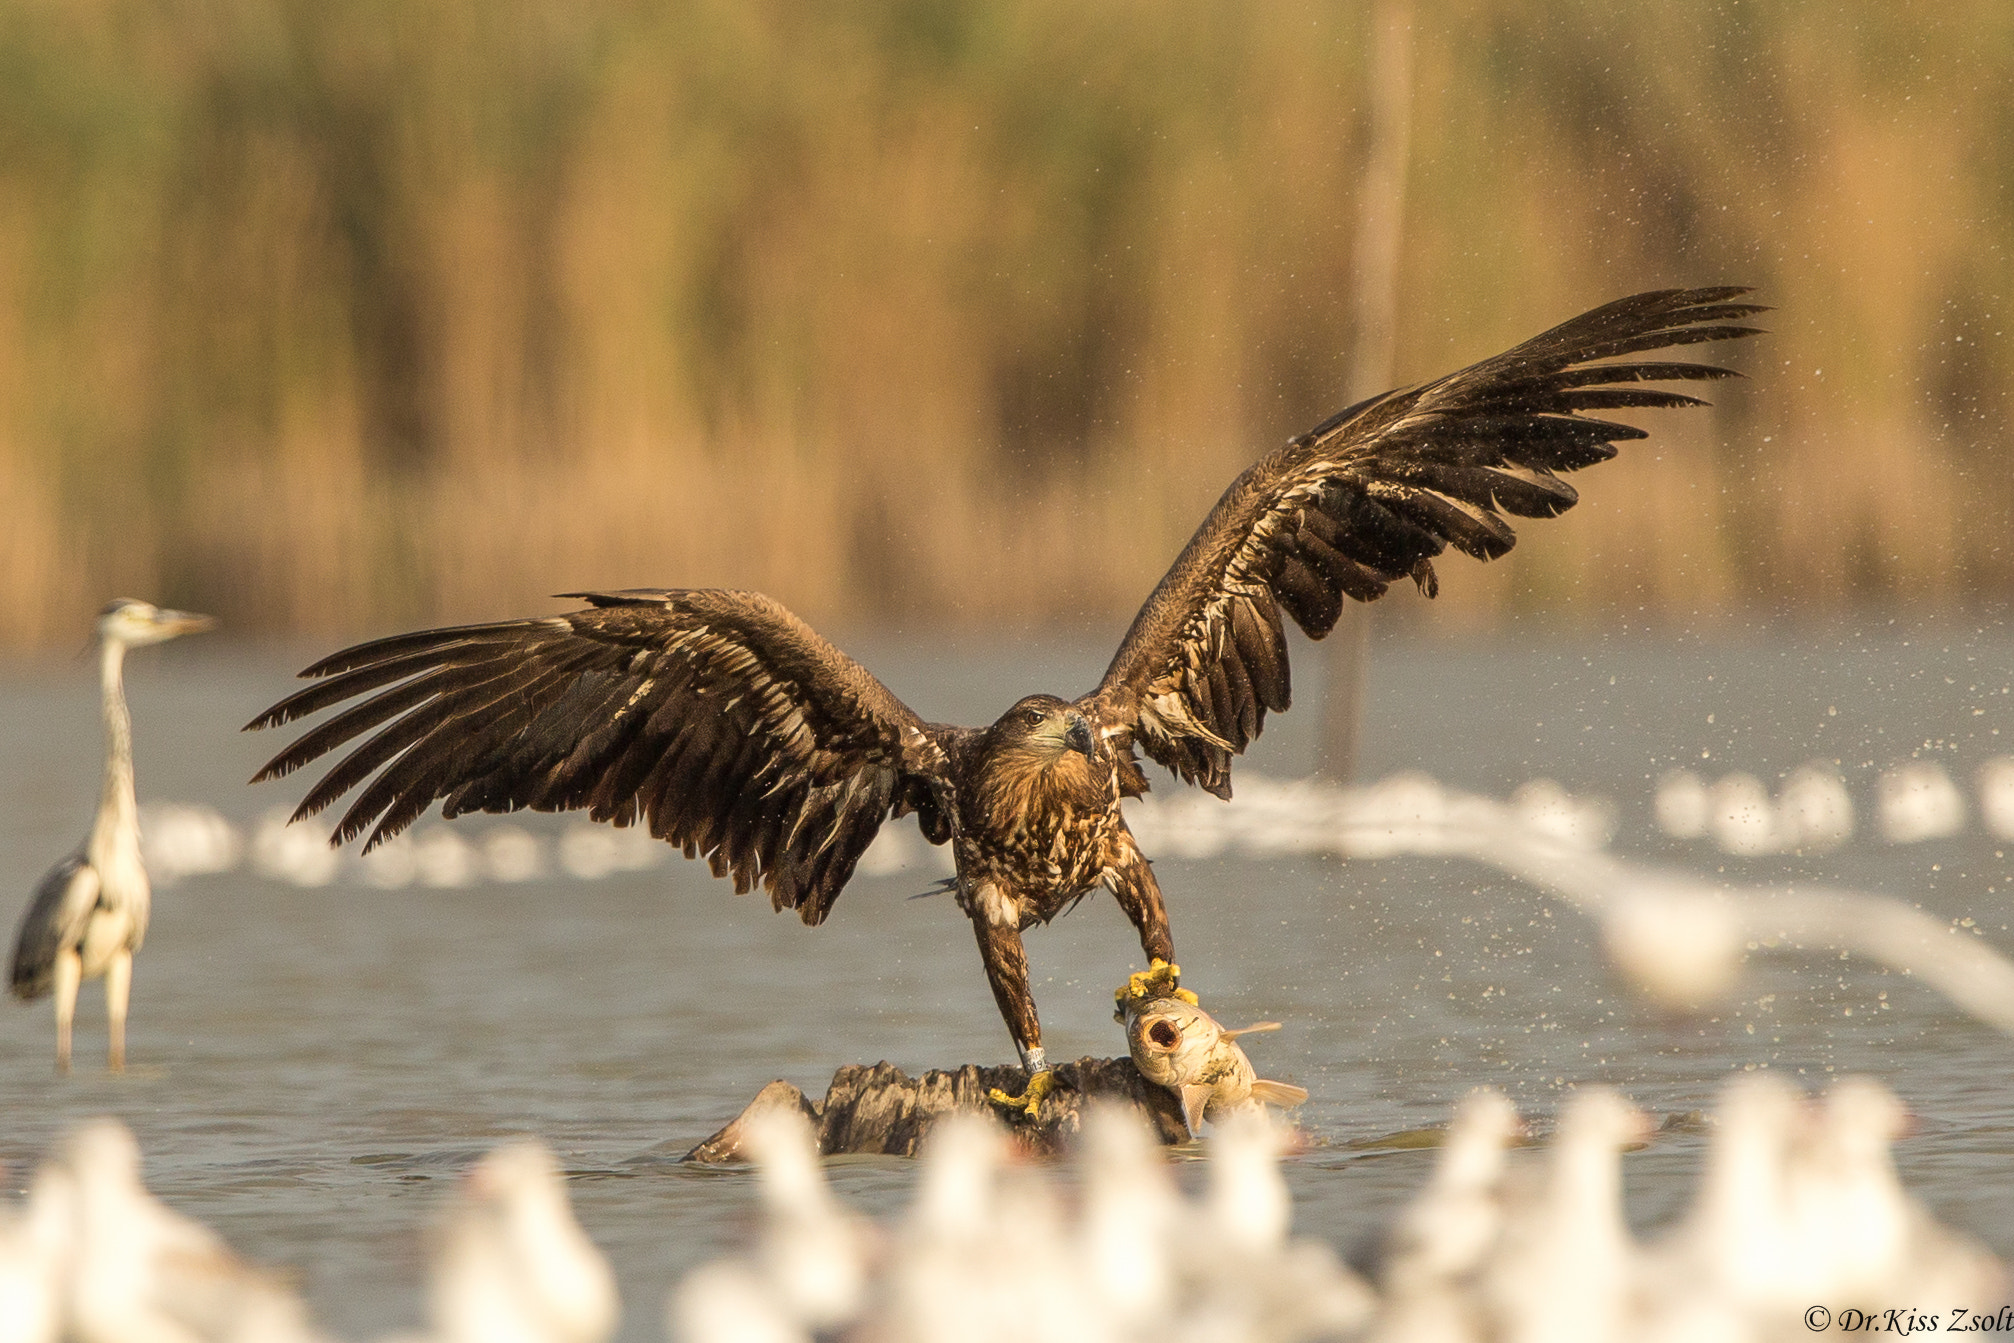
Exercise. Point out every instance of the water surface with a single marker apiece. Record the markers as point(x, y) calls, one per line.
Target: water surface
point(313, 1066)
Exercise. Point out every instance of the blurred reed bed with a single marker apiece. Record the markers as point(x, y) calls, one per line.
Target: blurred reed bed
point(329, 314)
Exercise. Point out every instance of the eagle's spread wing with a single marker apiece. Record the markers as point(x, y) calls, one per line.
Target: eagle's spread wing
point(723, 722)
point(1371, 496)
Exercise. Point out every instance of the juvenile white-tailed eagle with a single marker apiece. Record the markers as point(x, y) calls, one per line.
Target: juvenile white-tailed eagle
point(730, 728)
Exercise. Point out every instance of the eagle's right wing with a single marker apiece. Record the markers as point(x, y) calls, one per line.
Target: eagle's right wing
point(720, 720)
point(56, 919)
point(1371, 496)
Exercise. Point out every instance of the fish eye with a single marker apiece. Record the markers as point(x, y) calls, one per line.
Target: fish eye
point(1033, 717)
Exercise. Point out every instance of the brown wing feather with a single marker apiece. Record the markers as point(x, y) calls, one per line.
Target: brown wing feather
point(718, 719)
point(1373, 495)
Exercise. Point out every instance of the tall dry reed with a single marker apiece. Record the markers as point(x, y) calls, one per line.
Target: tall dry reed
point(328, 315)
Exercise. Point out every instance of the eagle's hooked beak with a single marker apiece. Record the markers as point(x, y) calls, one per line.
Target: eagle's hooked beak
point(1077, 734)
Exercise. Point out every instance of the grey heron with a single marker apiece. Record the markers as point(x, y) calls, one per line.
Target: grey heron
point(89, 915)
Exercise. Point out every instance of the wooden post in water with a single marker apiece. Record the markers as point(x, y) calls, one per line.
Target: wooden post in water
point(1374, 299)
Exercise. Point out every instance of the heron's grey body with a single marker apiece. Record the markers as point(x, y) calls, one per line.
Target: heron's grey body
point(89, 915)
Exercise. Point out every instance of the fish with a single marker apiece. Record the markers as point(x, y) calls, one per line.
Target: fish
point(1177, 1045)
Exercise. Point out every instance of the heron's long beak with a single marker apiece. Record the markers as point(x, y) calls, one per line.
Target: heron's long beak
point(173, 623)
point(1077, 734)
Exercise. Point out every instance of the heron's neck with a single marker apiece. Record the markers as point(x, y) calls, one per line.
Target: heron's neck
point(118, 813)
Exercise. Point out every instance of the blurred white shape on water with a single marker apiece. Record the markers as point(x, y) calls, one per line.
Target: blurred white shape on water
point(511, 853)
point(1189, 824)
point(1271, 816)
point(35, 1253)
point(1796, 1206)
point(1267, 817)
point(1788, 1213)
point(138, 1272)
point(1563, 1267)
point(1814, 812)
point(390, 866)
point(1679, 937)
point(591, 852)
point(299, 854)
point(1741, 817)
point(939, 1276)
point(1917, 801)
point(1681, 948)
point(1731, 1257)
point(183, 840)
point(1406, 813)
point(1683, 804)
point(1439, 1242)
point(514, 1266)
point(1996, 796)
point(728, 1300)
point(814, 1253)
point(443, 859)
point(1130, 1259)
point(900, 847)
point(1850, 1210)
point(1247, 1207)
point(1127, 1186)
point(894, 848)
point(1584, 822)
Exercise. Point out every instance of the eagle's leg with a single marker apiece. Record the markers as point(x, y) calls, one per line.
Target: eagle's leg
point(1131, 880)
point(1007, 971)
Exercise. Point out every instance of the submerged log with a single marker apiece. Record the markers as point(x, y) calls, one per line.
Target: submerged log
point(882, 1110)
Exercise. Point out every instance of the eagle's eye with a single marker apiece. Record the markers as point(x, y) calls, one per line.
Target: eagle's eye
point(1033, 717)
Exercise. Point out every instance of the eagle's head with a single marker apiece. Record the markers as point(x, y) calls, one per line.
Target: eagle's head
point(1037, 754)
point(1044, 726)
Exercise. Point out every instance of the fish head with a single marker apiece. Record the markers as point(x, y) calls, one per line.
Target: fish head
point(1171, 1041)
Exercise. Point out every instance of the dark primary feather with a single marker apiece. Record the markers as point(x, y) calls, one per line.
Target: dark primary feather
point(54, 920)
point(1373, 495)
point(717, 719)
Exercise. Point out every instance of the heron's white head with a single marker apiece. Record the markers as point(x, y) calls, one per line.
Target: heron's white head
point(136, 623)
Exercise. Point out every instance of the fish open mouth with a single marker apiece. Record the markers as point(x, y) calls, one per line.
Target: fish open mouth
point(1164, 1034)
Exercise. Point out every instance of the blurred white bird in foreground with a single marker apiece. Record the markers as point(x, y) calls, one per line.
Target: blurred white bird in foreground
point(1563, 1269)
point(35, 1261)
point(1436, 1249)
point(1732, 1265)
point(1495, 1246)
point(1798, 1205)
point(1443, 1235)
point(814, 1251)
point(991, 1250)
point(89, 915)
point(137, 1272)
point(514, 1266)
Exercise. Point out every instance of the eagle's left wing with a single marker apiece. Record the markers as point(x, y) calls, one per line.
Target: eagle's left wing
point(718, 719)
point(1371, 496)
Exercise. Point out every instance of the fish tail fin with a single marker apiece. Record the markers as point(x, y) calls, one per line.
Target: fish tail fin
point(1283, 1094)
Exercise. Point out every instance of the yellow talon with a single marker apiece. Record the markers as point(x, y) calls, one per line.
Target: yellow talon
point(1161, 979)
point(1029, 1102)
